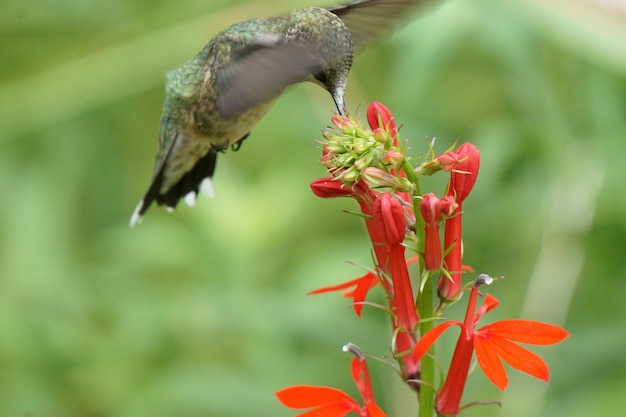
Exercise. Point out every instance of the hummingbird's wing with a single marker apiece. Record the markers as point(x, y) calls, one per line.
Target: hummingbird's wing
point(369, 20)
point(259, 71)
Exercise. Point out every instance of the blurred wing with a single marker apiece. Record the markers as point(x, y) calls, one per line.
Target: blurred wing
point(369, 20)
point(260, 71)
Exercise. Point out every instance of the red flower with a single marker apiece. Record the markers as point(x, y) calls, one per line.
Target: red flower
point(493, 344)
point(361, 285)
point(464, 175)
point(331, 402)
point(389, 219)
point(430, 208)
point(328, 187)
point(462, 180)
point(379, 116)
point(448, 161)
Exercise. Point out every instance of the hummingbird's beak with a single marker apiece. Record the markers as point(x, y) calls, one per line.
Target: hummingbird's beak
point(340, 103)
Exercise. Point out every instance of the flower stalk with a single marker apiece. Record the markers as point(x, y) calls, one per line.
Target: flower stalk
point(370, 165)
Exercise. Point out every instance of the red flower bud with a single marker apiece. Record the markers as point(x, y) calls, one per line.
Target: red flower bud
point(340, 121)
point(448, 205)
point(389, 213)
point(448, 161)
point(463, 178)
point(430, 208)
point(379, 116)
point(393, 158)
point(330, 188)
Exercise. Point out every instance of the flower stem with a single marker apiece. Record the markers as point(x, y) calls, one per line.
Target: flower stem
point(425, 305)
point(427, 393)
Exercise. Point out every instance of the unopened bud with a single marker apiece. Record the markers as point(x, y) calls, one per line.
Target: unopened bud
point(393, 158)
point(377, 177)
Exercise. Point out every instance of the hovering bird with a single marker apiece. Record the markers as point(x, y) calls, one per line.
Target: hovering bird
point(215, 99)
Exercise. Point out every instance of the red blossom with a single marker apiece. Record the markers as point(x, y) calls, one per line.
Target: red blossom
point(379, 116)
point(464, 175)
point(331, 402)
point(493, 344)
point(389, 218)
point(361, 285)
point(448, 206)
point(448, 161)
point(430, 208)
point(329, 187)
point(388, 211)
point(449, 286)
point(462, 180)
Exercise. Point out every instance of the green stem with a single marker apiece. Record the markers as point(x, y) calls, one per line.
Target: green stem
point(425, 305)
point(427, 394)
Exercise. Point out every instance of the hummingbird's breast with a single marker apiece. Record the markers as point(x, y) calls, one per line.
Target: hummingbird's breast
point(220, 133)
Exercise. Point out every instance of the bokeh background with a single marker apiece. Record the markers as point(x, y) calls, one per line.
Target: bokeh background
point(203, 312)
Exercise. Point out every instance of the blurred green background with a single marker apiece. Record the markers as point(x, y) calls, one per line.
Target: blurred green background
point(203, 312)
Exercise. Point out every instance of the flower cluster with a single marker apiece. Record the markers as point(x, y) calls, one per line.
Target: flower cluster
point(371, 166)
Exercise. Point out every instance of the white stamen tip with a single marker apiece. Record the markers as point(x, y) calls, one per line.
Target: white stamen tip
point(190, 198)
point(136, 217)
point(169, 209)
point(483, 279)
point(206, 187)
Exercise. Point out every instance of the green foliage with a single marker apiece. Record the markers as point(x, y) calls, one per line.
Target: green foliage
point(203, 312)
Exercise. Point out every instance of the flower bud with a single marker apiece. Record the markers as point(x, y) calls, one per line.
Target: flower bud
point(377, 178)
point(448, 161)
point(379, 116)
point(448, 205)
point(430, 208)
point(463, 178)
point(350, 175)
point(330, 188)
point(388, 212)
point(364, 161)
point(380, 135)
point(339, 121)
point(393, 158)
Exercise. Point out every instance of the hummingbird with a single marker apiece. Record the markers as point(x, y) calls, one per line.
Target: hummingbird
point(215, 99)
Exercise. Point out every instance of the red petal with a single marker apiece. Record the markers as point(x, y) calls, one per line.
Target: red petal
point(337, 287)
point(374, 410)
point(490, 362)
point(427, 340)
point(361, 285)
point(307, 396)
point(361, 378)
point(366, 283)
point(330, 410)
point(519, 357)
point(527, 331)
point(330, 188)
point(489, 304)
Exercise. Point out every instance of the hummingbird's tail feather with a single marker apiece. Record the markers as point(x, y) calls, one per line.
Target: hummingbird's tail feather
point(197, 179)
